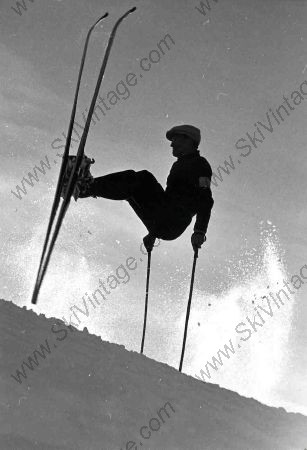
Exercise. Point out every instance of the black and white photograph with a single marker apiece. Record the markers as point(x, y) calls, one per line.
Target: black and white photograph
point(153, 225)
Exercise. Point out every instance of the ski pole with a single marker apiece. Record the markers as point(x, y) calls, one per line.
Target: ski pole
point(146, 298)
point(188, 308)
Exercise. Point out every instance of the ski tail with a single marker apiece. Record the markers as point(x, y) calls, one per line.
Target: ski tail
point(63, 165)
point(74, 174)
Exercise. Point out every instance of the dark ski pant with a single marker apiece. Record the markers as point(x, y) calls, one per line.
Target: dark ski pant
point(161, 215)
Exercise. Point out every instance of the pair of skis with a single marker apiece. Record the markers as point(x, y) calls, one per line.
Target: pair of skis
point(50, 241)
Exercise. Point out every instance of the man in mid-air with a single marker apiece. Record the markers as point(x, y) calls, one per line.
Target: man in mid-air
point(165, 213)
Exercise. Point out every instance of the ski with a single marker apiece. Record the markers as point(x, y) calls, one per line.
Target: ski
point(45, 258)
point(57, 195)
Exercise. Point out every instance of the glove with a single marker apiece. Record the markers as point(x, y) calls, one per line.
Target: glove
point(149, 241)
point(197, 239)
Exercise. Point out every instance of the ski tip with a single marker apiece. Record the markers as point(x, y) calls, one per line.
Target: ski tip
point(103, 17)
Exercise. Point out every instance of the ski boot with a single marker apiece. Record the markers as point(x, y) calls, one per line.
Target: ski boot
point(84, 180)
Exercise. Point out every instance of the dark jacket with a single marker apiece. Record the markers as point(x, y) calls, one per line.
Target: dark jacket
point(188, 184)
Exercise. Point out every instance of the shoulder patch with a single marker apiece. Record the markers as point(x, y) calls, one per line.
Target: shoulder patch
point(204, 182)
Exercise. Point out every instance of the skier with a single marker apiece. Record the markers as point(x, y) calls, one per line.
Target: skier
point(165, 213)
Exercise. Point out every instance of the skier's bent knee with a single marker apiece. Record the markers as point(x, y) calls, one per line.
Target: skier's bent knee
point(145, 175)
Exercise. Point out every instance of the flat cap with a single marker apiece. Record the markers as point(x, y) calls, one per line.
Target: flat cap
point(188, 130)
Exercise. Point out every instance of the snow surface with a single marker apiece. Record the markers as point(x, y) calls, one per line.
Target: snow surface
point(90, 394)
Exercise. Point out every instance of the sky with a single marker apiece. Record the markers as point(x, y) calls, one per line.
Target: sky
point(228, 69)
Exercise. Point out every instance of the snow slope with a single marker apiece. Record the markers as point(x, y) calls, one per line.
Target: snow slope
point(89, 394)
